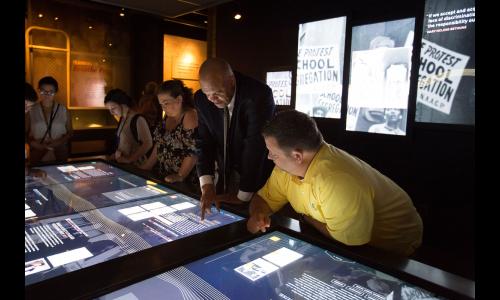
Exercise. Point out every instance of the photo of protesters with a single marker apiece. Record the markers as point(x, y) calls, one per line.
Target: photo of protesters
point(392, 124)
point(380, 76)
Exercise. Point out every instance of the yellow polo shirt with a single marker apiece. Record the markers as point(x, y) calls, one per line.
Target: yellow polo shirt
point(358, 204)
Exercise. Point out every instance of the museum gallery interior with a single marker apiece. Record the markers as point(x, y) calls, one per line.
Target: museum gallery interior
point(249, 149)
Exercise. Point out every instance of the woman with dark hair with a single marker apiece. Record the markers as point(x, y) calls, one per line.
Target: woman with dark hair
point(133, 139)
point(49, 125)
point(149, 106)
point(175, 138)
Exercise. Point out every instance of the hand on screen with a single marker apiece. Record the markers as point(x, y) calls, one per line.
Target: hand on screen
point(118, 154)
point(258, 222)
point(207, 199)
point(173, 178)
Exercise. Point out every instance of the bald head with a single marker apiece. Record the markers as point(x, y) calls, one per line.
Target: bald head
point(217, 81)
point(215, 67)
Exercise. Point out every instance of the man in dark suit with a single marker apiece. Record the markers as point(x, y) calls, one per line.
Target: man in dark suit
point(232, 109)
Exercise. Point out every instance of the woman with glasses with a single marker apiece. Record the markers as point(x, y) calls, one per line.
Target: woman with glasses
point(133, 139)
point(49, 125)
point(175, 137)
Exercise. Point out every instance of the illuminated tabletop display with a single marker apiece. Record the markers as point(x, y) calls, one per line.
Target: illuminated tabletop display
point(273, 266)
point(84, 214)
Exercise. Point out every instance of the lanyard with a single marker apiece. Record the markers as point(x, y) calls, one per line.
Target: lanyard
point(122, 124)
point(51, 119)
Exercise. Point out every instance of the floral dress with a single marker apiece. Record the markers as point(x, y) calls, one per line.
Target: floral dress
point(173, 147)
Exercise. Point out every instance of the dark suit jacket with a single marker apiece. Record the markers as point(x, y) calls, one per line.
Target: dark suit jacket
point(247, 153)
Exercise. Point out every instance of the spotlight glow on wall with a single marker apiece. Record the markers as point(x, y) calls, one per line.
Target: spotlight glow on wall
point(187, 59)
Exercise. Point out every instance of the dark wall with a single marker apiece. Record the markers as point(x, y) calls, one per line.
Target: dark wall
point(267, 34)
point(146, 53)
point(434, 163)
point(147, 48)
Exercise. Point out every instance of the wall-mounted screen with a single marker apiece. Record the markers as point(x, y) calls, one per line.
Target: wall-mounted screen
point(281, 84)
point(320, 65)
point(446, 85)
point(379, 79)
point(67, 243)
point(273, 266)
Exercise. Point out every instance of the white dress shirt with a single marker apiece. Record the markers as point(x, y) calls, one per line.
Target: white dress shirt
point(209, 179)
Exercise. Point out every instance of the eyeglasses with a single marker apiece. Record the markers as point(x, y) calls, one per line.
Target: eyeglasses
point(47, 93)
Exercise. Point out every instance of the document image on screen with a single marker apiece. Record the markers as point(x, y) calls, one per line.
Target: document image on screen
point(273, 266)
point(73, 242)
point(166, 218)
point(320, 65)
point(379, 81)
point(280, 83)
point(446, 75)
point(67, 243)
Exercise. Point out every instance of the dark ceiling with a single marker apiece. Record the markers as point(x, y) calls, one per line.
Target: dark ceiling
point(187, 11)
point(165, 8)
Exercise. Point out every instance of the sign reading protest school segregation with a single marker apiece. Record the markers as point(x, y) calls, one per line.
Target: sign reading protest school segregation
point(281, 84)
point(439, 76)
point(446, 91)
point(319, 67)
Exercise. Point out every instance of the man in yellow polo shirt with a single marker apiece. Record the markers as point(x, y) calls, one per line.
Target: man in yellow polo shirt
point(339, 194)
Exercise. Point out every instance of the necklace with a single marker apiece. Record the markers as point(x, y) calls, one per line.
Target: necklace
point(47, 112)
point(175, 121)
